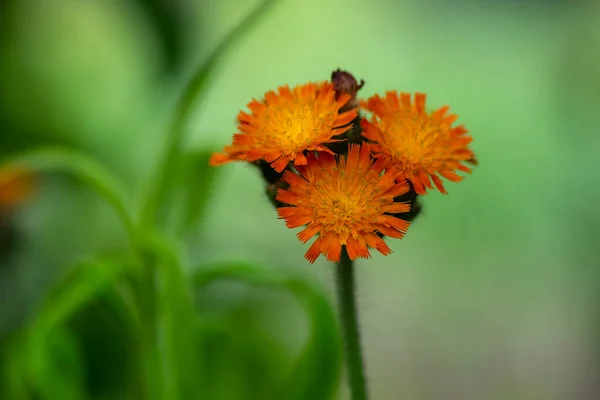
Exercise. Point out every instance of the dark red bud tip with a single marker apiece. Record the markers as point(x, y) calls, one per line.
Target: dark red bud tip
point(344, 82)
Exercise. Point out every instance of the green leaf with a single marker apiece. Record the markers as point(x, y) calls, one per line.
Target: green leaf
point(107, 338)
point(83, 283)
point(316, 372)
point(177, 322)
point(14, 369)
point(87, 170)
point(191, 191)
point(55, 368)
point(192, 93)
point(170, 21)
point(236, 363)
point(45, 359)
point(199, 80)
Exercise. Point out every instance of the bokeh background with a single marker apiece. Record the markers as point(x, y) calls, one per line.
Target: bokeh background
point(493, 294)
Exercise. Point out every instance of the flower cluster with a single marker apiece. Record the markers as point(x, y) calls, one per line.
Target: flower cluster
point(348, 170)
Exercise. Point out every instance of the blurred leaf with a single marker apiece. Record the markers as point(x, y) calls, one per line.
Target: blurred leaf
point(91, 354)
point(192, 93)
point(17, 139)
point(83, 283)
point(13, 366)
point(197, 84)
point(85, 168)
point(107, 340)
point(193, 190)
point(169, 20)
point(55, 365)
point(316, 372)
point(46, 359)
point(236, 363)
point(177, 323)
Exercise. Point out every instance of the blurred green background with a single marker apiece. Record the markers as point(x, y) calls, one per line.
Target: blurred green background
point(491, 295)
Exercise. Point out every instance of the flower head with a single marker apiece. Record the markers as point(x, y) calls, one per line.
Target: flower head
point(16, 185)
point(422, 145)
point(346, 201)
point(285, 124)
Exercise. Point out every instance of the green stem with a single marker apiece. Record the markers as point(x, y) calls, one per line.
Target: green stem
point(153, 388)
point(350, 331)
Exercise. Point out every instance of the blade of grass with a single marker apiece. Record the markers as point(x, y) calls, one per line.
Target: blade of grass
point(51, 366)
point(192, 93)
point(55, 365)
point(174, 321)
point(83, 282)
point(192, 191)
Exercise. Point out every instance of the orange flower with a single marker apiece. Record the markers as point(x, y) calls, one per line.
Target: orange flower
point(16, 185)
point(285, 124)
point(422, 145)
point(344, 201)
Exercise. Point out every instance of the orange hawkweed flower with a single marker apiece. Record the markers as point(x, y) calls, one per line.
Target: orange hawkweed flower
point(287, 123)
point(346, 201)
point(422, 145)
point(16, 185)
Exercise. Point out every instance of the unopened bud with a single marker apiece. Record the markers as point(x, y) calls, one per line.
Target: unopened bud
point(345, 83)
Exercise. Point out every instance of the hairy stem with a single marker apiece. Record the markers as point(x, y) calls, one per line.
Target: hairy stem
point(350, 331)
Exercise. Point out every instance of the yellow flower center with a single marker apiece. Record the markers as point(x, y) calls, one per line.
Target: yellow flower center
point(285, 124)
point(293, 129)
point(412, 142)
point(423, 145)
point(347, 201)
point(344, 205)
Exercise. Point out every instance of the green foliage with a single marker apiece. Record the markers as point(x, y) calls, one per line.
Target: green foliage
point(315, 373)
point(190, 192)
point(82, 166)
point(128, 325)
